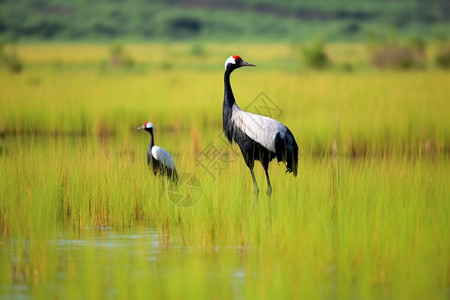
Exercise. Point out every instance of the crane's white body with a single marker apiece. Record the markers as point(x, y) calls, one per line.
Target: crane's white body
point(259, 128)
point(163, 156)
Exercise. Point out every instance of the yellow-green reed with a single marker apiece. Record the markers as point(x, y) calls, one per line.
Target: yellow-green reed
point(366, 226)
point(366, 217)
point(360, 112)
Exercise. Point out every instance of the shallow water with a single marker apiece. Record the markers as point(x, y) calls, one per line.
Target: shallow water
point(107, 252)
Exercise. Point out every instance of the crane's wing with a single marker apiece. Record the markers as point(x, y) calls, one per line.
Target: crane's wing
point(163, 156)
point(259, 128)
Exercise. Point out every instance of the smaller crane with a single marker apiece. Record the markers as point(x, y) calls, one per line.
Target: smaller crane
point(157, 158)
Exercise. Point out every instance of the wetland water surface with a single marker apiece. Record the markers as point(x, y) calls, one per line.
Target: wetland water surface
point(99, 255)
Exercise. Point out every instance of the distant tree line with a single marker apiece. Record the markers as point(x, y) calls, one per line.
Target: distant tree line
point(230, 20)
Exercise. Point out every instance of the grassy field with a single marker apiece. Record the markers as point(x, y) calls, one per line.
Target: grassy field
point(81, 216)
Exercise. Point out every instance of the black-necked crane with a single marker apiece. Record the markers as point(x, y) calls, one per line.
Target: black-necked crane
point(259, 137)
point(159, 159)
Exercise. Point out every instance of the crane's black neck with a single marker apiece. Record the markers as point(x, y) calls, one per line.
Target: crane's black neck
point(152, 139)
point(228, 100)
point(152, 143)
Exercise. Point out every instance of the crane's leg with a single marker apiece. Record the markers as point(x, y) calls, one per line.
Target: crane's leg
point(269, 187)
point(256, 191)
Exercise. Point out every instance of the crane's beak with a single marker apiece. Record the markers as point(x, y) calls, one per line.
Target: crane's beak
point(247, 64)
point(140, 127)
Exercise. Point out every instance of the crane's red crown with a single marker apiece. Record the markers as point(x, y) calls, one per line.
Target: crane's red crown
point(234, 59)
point(238, 61)
point(148, 125)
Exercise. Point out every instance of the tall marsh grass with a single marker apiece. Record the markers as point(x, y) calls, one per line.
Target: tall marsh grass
point(81, 215)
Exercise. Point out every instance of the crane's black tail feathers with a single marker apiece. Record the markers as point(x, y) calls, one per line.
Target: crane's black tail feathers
point(171, 174)
point(174, 176)
point(287, 150)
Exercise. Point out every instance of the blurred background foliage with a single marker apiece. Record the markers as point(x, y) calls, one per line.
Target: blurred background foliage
point(230, 20)
point(402, 35)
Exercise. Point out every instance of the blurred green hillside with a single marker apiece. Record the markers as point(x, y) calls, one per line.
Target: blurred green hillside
point(219, 20)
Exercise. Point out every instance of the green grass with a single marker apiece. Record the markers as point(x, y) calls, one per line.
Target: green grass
point(366, 111)
point(373, 227)
point(81, 215)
